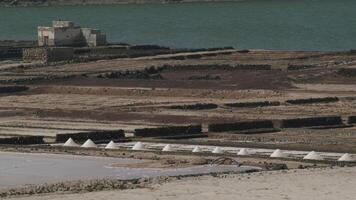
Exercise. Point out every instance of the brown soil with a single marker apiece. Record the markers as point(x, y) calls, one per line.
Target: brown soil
point(73, 95)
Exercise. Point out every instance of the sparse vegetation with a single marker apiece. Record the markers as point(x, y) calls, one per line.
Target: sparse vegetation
point(204, 77)
point(147, 73)
point(313, 100)
point(348, 72)
point(198, 106)
point(253, 104)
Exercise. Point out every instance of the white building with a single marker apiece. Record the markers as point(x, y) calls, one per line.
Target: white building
point(66, 33)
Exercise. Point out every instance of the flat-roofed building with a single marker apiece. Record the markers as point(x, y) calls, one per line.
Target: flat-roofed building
point(66, 33)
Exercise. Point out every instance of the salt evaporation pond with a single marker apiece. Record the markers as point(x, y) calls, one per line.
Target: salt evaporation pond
point(18, 169)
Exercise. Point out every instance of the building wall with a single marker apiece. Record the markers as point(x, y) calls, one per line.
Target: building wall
point(62, 24)
point(68, 36)
point(94, 37)
point(44, 32)
point(101, 40)
point(65, 33)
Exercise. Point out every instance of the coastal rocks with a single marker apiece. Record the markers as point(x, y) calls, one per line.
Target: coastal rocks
point(81, 186)
point(275, 166)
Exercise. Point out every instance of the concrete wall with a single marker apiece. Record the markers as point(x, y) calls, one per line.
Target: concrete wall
point(62, 24)
point(68, 36)
point(93, 37)
point(45, 32)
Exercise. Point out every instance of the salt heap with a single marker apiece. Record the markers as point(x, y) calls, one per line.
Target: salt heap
point(167, 148)
point(313, 156)
point(89, 144)
point(346, 157)
point(138, 146)
point(243, 152)
point(196, 149)
point(70, 143)
point(278, 154)
point(217, 150)
point(111, 145)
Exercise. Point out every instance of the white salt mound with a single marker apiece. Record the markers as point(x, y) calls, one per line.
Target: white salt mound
point(111, 145)
point(346, 157)
point(89, 144)
point(217, 150)
point(70, 143)
point(196, 149)
point(278, 154)
point(138, 146)
point(168, 147)
point(313, 156)
point(243, 152)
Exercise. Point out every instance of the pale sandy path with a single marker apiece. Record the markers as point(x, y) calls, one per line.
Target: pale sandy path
point(326, 184)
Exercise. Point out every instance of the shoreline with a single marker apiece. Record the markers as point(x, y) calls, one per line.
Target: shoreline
point(317, 182)
point(50, 3)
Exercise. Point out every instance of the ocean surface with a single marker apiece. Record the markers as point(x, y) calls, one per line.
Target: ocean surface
point(250, 24)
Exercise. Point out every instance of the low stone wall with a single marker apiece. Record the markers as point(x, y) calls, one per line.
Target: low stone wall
point(253, 104)
point(252, 67)
point(199, 106)
point(48, 54)
point(241, 126)
point(348, 72)
point(119, 51)
point(147, 73)
point(22, 140)
point(93, 135)
point(168, 131)
point(300, 67)
point(12, 89)
point(10, 53)
point(351, 120)
point(313, 100)
point(311, 122)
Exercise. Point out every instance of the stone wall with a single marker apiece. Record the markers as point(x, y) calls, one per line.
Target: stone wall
point(352, 120)
point(93, 135)
point(12, 89)
point(22, 140)
point(45, 55)
point(71, 36)
point(311, 122)
point(253, 104)
point(313, 100)
point(241, 126)
point(168, 131)
point(10, 52)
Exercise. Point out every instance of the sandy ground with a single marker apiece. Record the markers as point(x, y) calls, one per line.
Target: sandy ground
point(322, 184)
